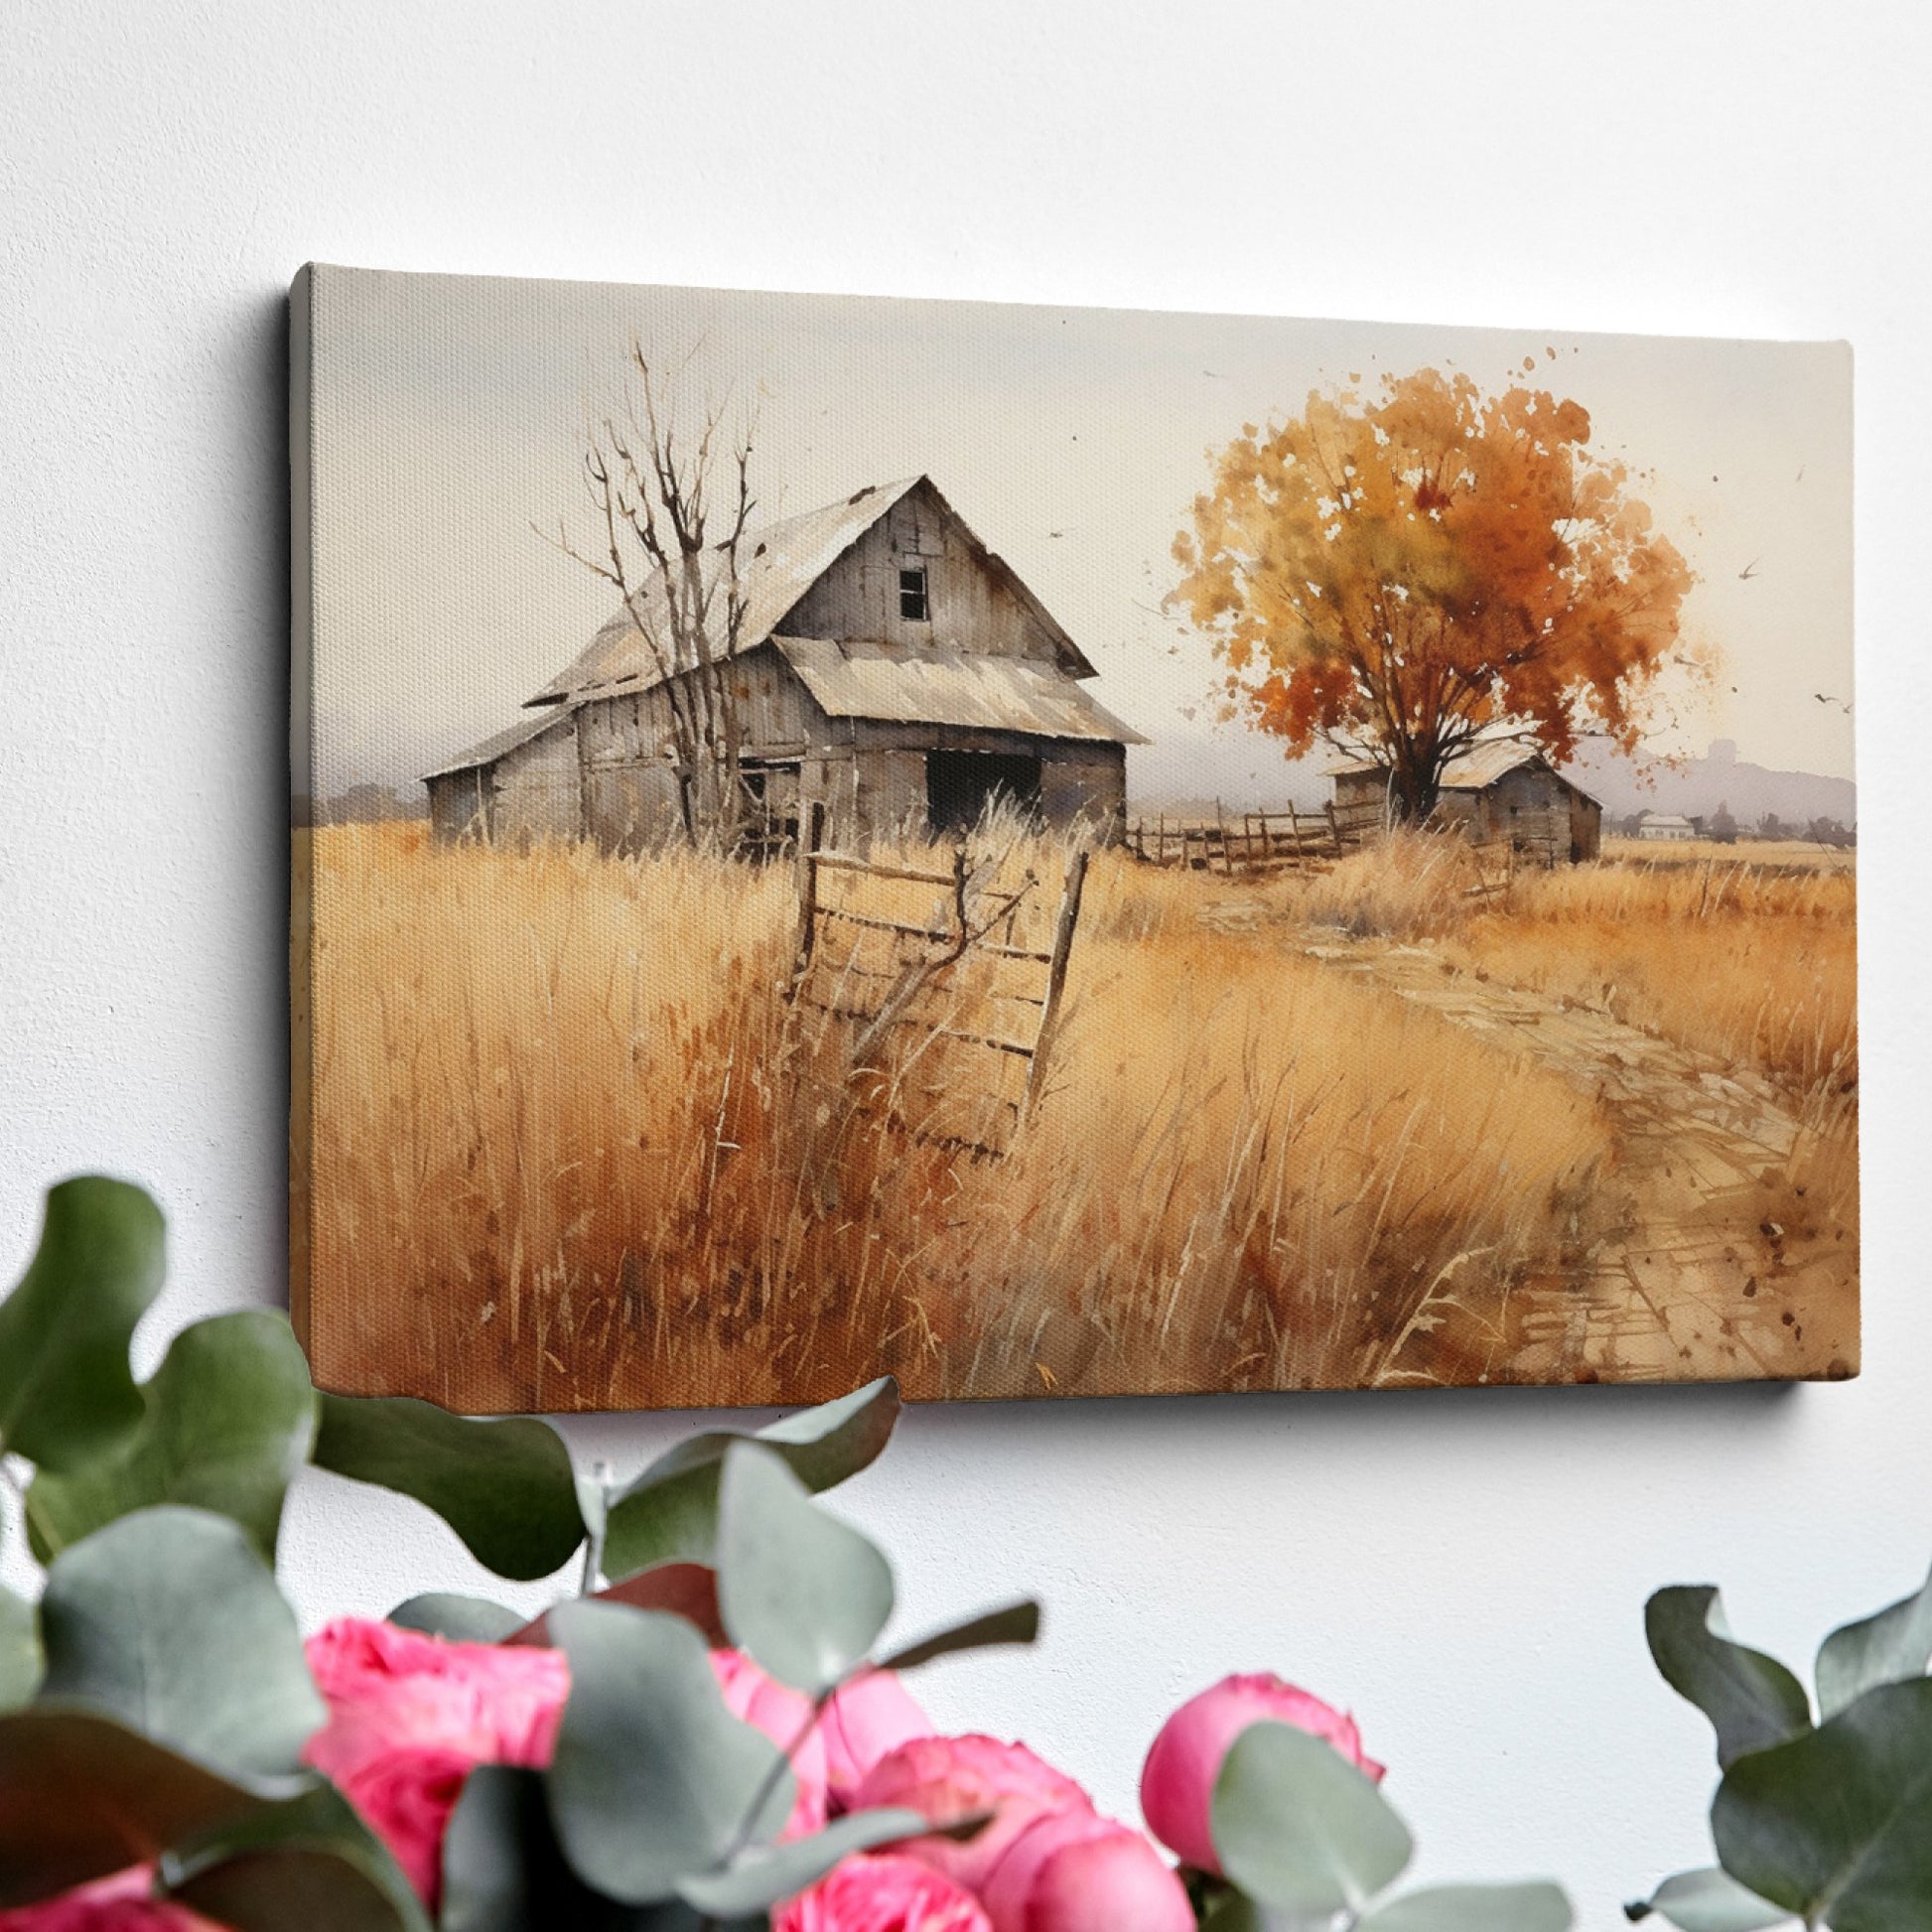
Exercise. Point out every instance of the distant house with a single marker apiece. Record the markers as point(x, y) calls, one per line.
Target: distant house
point(891, 673)
point(1663, 826)
point(1502, 790)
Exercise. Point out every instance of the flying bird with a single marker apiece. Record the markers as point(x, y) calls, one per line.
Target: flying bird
point(1749, 571)
point(1840, 702)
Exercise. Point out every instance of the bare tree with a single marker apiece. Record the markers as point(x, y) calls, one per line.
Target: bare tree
point(673, 557)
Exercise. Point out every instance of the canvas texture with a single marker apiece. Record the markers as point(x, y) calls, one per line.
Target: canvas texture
point(1061, 852)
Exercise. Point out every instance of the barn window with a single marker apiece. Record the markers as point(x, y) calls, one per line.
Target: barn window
point(911, 593)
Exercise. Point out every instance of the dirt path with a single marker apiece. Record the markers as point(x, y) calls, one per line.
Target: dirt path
point(1701, 1274)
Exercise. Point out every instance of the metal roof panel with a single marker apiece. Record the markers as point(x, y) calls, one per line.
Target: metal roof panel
point(900, 684)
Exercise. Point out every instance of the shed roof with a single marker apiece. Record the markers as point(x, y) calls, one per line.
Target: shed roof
point(491, 749)
point(777, 564)
point(947, 686)
point(1479, 767)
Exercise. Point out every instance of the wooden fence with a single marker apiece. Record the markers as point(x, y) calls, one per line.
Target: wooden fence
point(1253, 842)
point(941, 1018)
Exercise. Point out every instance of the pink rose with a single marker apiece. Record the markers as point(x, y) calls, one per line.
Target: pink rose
point(948, 1778)
point(124, 1902)
point(409, 1714)
point(1074, 1872)
point(1177, 1781)
point(882, 1892)
point(405, 1797)
point(783, 1714)
point(861, 1722)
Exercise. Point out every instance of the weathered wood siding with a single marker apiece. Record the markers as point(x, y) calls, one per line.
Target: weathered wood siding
point(1085, 783)
point(1529, 807)
point(1586, 828)
point(459, 806)
point(969, 603)
point(535, 791)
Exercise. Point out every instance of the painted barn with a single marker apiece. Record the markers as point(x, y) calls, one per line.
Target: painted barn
point(891, 673)
point(1500, 789)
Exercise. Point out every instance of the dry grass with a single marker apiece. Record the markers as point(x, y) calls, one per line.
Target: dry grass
point(1747, 954)
point(1753, 961)
point(561, 1155)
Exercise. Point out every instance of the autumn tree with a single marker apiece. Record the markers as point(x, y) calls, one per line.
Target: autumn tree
point(669, 511)
point(1396, 578)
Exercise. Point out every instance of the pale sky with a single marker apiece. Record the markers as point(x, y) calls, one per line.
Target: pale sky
point(450, 414)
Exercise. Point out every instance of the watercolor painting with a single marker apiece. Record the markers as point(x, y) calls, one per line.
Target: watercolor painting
point(1061, 852)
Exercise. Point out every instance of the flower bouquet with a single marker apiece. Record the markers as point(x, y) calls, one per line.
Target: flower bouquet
point(712, 1732)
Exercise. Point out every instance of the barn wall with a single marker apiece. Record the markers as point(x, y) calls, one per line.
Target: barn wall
point(1361, 789)
point(970, 605)
point(1083, 784)
point(1585, 827)
point(1529, 806)
point(888, 793)
point(535, 790)
point(456, 807)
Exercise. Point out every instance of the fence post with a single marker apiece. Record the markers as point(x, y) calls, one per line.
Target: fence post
point(801, 960)
point(1335, 830)
point(1076, 878)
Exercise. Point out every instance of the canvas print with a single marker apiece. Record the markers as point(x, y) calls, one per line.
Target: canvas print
point(1061, 852)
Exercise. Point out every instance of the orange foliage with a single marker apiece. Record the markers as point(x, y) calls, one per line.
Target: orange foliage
point(1398, 576)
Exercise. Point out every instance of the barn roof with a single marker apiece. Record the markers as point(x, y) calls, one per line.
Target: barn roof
point(493, 749)
point(777, 564)
point(948, 687)
point(1478, 768)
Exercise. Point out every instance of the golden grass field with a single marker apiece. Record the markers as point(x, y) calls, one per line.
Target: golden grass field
point(559, 1155)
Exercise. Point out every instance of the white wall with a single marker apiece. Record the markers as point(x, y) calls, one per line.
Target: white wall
point(1466, 1570)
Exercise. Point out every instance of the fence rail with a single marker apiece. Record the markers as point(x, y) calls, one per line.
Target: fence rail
point(946, 1022)
point(1254, 842)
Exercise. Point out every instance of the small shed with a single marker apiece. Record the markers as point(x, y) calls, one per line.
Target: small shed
point(892, 674)
point(1499, 790)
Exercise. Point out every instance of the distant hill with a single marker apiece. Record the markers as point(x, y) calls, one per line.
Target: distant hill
point(1697, 787)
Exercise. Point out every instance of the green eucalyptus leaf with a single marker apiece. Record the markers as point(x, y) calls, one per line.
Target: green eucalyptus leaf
point(1013, 1623)
point(227, 1425)
point(1531, 1906)
point(504, 1871)
point(1889, 1648)
point(81, 1796)
point(309, 1864)
point(802, 1593)
point(506, 1488)
point(1233, 1911)
point(653, 1779)
point(762, 1874)
point(1751, 1700)
point(168, 1622)
point(1298, 1828)
point(1836, 1826)
point(660, 1519)
point(1709, 1900)
point(67, 1393)
point(463, 1619)
point(686, 1589)
point(20, 1650)
point(669, 1514)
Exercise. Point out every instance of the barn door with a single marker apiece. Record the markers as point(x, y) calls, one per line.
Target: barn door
point(960, 785)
